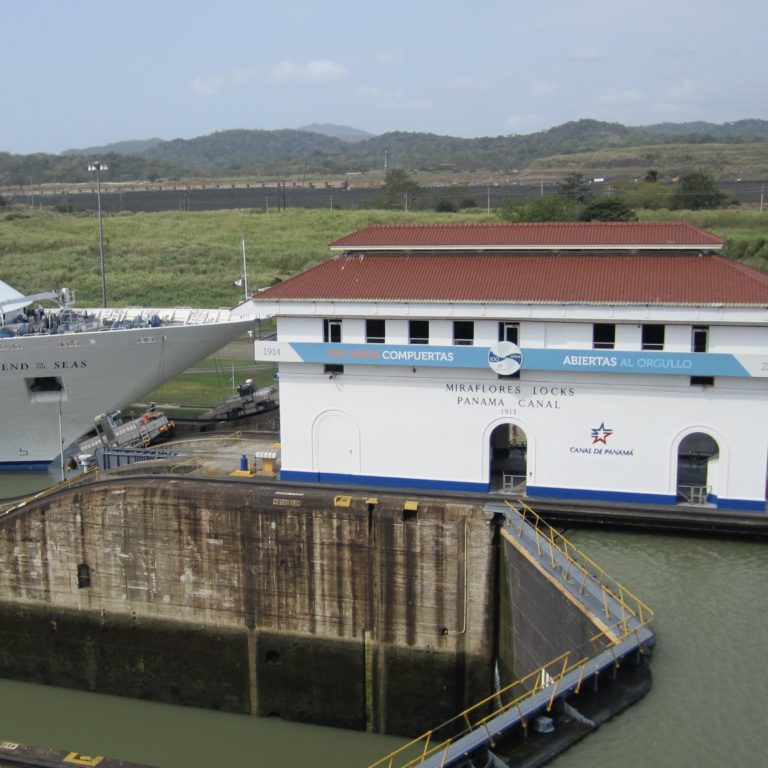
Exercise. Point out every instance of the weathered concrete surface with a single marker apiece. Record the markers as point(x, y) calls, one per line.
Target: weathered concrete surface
point(538, 621)
point(253, 599)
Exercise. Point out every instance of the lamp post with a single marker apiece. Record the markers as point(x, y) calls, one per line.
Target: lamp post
point(99, 167)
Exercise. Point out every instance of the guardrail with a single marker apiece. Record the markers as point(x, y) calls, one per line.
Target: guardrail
point(695, 494)
point(66, 483)
point(579, 567)
point(560, 676)
point(513, 483)
point(555, 678)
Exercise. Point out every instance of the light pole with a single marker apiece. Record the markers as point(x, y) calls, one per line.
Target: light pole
point(99, 167)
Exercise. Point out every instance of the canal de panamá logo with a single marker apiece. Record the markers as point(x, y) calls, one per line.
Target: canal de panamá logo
point(601, 434)
point(505, 358)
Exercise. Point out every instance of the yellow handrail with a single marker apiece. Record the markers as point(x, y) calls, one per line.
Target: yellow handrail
point(552, 672)
point(66, 483)
point(590, 570)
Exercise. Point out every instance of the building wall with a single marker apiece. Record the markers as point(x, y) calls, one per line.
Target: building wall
point(431, 427)
point(572, 330)
point(404, 428)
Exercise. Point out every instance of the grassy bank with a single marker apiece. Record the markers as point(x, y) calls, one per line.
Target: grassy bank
point(173, 259)
point(192, 259)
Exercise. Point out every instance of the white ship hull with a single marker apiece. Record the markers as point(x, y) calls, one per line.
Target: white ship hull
point(54, 385)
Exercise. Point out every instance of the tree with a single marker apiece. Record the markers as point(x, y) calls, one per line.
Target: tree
point(652, 176)
point(696, 191)
point(574, 187)
point(3, 201)
point(399, 189)
point(544, 208)
point(608, 209)
point(644, 194)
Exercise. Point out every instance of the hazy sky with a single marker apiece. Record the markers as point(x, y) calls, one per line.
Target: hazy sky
point(79, 73)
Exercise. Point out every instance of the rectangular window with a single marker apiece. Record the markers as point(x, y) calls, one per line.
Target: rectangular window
point(333, 368)
point(375, 331)
point(653, 337)
point(332, 331)
point(703, 381)
point(418, 331)
point(509, 332)
point(700, 338)
point(603, 336)
point(463, 332)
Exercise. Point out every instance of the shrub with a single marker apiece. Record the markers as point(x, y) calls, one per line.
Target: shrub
point(444, 205)
point(608, 209)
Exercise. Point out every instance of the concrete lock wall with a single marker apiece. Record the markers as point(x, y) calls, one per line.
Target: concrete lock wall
point(538, 622)
point(250, 599)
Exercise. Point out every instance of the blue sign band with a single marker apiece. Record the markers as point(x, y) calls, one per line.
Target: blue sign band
point(575, 360)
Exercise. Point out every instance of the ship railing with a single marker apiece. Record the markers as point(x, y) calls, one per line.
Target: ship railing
point(578, 567)
point(109, 316)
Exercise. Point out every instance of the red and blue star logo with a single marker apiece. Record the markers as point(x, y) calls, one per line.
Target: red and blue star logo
point(601, 434)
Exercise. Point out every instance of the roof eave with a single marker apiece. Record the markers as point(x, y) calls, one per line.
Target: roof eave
point(570, 247)
point(522, 302)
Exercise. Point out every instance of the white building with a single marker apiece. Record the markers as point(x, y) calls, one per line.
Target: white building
point(611, 361)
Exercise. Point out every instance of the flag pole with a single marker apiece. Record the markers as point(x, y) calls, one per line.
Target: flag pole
point(245, 272)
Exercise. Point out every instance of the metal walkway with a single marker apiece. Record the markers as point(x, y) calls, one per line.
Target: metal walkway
point(621, 621)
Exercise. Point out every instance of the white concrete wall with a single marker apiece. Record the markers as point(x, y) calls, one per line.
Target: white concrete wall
point(734, 339)
point(402, 423)
point(399, 424)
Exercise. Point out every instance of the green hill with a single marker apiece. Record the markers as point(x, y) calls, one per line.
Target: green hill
point(591, 146)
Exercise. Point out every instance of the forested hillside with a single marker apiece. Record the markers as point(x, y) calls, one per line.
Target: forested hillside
point(296, 153)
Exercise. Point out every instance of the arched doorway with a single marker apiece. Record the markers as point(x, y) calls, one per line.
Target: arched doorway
point(509, 459)
point(698, 458)
point(336, 446)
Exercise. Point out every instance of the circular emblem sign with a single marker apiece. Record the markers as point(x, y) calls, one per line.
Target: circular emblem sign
point(505, 358)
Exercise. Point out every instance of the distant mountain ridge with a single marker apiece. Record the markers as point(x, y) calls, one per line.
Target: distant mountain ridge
point(343, 132)
point(132, 147)
point(741, 129)
point(609, 147)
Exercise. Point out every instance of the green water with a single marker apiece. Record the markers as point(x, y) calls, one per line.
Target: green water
point(14, 484)
point(174, 737)
point(709, 701)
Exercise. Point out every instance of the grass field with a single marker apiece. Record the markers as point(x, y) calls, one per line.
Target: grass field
point(176, 259)
point(192, 259)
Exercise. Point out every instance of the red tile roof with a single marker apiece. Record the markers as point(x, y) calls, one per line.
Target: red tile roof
point(596, 278)
point(550, 236)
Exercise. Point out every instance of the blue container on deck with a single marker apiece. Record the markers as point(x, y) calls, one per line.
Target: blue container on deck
point(243, 463)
